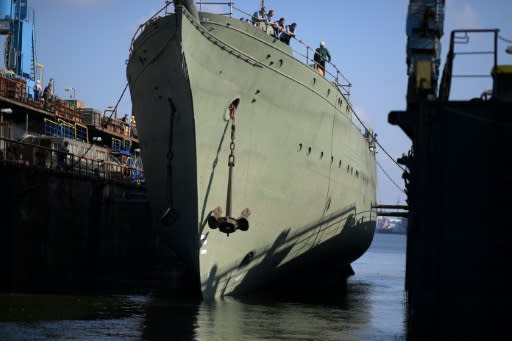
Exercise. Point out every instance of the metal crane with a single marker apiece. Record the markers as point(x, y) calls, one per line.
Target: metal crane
point(424, 28)
point(17, 24)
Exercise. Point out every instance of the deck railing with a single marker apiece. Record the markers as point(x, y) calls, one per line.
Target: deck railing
point(164, 10)
point(14, 91)
point(21, 154)
point(306, 52)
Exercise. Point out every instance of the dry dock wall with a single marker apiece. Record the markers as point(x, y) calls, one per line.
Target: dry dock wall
point(459, 184)
point(60, 232)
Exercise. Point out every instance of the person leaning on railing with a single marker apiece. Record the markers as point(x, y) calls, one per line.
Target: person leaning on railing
point(278, 27)
point(287, 34)
point(269, 16)
point(269, 24)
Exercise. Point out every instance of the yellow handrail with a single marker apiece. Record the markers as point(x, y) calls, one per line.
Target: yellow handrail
point(86, 131)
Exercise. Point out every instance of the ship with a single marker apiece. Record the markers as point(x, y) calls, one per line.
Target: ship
point(256, 169)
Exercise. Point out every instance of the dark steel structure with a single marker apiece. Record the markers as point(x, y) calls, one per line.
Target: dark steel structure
point(458, 183)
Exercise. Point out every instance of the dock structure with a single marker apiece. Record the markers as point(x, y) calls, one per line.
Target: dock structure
point(397, 210)
point(26, 115)
point(458, 184)
point(74, 219)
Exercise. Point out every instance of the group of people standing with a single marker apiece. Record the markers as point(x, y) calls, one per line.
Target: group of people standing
point(284, 33)
point(277, 29)
point(46, 94)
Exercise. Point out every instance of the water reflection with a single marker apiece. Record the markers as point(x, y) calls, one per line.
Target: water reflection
point(30, 308)
point(65, 317)
point(313, 317)
point(369, 307)
point(170, 319)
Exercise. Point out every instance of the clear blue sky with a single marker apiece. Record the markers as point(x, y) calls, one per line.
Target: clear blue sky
point(84, 44)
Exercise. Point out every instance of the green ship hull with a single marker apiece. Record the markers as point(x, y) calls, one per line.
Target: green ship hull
point(301, 166)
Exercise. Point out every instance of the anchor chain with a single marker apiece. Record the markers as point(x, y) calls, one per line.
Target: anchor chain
point(170, 214)
point(228, 224)
point(231, 162)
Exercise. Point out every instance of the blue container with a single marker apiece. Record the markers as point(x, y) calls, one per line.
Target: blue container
point(5, 9)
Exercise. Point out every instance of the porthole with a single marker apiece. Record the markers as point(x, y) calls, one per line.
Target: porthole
point(247, 259)
point(300, 147)
point(339, 164)
point(309, 150)
point(321, 155)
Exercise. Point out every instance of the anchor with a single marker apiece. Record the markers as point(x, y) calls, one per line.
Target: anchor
point(228, 224)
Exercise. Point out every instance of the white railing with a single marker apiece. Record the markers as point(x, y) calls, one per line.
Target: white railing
point(307, 53)
point(142, 26)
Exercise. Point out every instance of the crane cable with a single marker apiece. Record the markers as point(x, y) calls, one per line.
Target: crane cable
point(390, 179)
point(119, 100)
point(505, 40)
point(377, 142)
point(385, 151)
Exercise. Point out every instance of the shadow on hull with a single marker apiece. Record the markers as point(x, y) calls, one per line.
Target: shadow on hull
point(324, 265)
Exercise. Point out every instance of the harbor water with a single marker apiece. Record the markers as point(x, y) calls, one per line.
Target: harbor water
point(370, 307)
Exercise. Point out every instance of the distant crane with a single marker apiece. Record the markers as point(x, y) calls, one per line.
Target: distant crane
point(17, 24)
point(424, 28)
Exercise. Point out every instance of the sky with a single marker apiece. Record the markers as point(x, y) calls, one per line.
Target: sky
point(84, 44)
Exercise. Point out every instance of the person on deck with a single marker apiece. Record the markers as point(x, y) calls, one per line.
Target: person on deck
point(62, 154)
point(279, 27)
point(269, 16)
point(269, 24)
point(259, 17)
point(48, 93)
point(288, 33)
point(37, 91)
point(322, 55)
